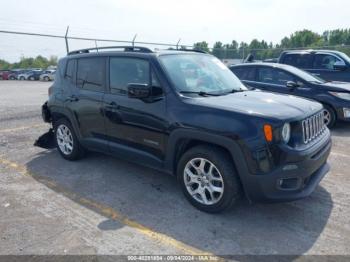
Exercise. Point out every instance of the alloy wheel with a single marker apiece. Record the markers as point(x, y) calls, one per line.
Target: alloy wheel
point(203, 181)
point(64, 139)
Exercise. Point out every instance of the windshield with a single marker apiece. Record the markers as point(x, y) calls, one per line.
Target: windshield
point(200, 73)
point(305, 75)
point(345, 57)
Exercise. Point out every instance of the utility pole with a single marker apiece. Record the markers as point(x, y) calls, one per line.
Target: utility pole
point(66, 38)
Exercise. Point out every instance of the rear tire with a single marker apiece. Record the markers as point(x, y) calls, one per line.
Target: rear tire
point(330, 116)
point(66, 141)
point(208, 179)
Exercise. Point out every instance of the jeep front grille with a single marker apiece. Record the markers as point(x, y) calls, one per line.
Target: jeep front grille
point(313, 127)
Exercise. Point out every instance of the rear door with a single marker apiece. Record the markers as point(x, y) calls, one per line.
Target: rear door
point(85, 99)
point(135, 125)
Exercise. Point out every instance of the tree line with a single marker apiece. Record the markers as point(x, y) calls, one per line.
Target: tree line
point(338, 39)
point(29, 62)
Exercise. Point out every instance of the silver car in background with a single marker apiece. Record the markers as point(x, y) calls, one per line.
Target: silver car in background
point(48, 75)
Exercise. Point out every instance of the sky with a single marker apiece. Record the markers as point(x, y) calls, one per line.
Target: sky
point(160, 21)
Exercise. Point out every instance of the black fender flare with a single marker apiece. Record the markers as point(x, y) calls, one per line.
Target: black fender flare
point(58, 112)
point(225, 142)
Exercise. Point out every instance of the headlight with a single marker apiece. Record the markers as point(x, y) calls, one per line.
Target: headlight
point(345, 96)
point(286, 133)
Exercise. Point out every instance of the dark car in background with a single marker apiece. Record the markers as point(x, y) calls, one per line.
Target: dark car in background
point(330, 65)
point(14, 73)
point(34, 75)
point(185, 113)
point(279, 78)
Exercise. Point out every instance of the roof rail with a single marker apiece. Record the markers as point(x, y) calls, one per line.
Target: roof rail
point(126, 49)
point(190, 50)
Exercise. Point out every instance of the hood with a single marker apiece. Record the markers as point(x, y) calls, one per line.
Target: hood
point(337, 86)
point(264, 104)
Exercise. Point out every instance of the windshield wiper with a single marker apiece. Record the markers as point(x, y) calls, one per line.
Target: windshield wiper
point(200, 93)
point(237, 90)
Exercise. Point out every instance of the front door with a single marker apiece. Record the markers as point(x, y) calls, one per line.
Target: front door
point(323, 67)
point(273, 80)
point(135, 125)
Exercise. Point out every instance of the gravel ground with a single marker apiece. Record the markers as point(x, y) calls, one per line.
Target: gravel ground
point(102, 205)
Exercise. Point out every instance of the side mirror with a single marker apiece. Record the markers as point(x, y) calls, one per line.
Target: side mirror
point(339, 65)
point(291, 84)
point(139, 91)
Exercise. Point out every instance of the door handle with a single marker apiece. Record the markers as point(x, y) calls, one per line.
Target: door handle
point(73, 98)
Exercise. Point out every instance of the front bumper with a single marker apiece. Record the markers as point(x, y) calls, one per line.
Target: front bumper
point(291, 181)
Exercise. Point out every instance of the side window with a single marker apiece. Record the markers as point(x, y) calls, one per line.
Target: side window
point(90, 74)
point(298, 60)
point(248, 74)
point(282, 77)
point(238, 72)
point(266, 75)
point(70, 70)
point(124, 71)
point(324, 61)
point(274, 76)
point(245, 73)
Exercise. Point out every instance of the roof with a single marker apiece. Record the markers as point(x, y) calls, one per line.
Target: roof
point(275, 65)
point(311, 51)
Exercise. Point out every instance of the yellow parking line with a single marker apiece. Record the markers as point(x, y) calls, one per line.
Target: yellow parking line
point(21, 128)
point(109, 212)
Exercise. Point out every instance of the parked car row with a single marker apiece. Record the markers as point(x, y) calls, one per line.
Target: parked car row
point(28, 74)
point(286, 79)
point(185, 113)
point(321, 75)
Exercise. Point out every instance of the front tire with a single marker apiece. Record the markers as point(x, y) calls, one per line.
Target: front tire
point(208, 179)
point(67, 142)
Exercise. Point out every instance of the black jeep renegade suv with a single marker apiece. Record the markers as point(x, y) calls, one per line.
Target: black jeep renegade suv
point(185, 113)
